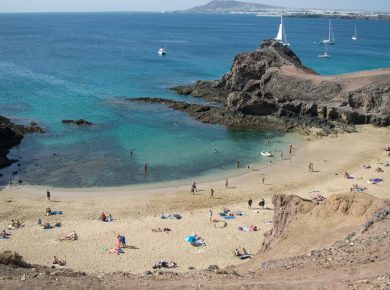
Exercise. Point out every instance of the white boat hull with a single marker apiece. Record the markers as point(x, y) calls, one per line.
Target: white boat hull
point(266, 154)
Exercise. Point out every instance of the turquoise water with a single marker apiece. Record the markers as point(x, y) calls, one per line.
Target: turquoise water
point(71, 66)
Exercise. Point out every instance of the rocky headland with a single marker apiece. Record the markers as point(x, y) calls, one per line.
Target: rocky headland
point(271, 87)
point(80, 122)
point(11, 135)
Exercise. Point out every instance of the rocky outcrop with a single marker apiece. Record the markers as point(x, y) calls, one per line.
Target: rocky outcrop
point(80, 122)
point(286, 208)
point(291, 211)
point(11, 135)
point(271, 83)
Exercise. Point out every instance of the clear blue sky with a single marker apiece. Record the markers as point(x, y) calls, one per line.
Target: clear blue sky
point(158, 5)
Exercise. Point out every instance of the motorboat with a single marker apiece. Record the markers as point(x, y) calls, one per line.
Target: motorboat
point(266, 154)
point(162, 51)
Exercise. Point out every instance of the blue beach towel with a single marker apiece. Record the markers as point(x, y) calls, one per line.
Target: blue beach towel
point(229, 217)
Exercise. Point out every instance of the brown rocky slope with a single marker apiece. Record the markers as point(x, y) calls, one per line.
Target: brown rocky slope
point(357, 260)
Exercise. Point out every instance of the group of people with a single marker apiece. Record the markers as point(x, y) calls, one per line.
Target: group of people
point(15, 225)
point(261, 203)
point(242, 254)
point(105, 218)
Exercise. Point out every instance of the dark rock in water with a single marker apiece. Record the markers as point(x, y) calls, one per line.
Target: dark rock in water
point(271, 85)
point(80, 122)
point(11, 135)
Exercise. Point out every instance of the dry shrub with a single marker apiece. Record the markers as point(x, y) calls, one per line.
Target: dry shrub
point(13, 258)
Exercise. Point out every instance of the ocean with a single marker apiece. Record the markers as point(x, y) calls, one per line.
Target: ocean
point(82, 65)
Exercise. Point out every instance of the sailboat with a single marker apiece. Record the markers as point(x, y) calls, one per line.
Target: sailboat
point(354, 37)
point(325, 55)
point(331, 40)
point(281, 37)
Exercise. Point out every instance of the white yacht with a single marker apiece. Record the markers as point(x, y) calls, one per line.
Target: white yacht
point(162, 51)
point(325, 54)
point(331, 39)
point(354, 37)
point(281, 36)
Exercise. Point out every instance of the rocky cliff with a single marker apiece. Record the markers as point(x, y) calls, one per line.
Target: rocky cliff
point(272, 84)
point(11, 135)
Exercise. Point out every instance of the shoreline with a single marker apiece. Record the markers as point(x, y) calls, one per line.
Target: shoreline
point(216, 176)
point(136, 214)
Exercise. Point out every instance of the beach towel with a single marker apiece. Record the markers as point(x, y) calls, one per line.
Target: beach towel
point(245, 256)
point(198, 244)
point(229, 217)
point(375, 180)
point(4, 238)
point(190, 239)
point(56, 212)
point(269, 222)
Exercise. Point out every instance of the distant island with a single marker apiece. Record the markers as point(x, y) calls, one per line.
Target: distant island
point(239, 7)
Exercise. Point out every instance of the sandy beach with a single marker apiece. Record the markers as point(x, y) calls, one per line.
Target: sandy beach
point(136, 211)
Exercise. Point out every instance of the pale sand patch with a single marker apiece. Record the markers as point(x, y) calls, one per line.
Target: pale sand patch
point(137, 210)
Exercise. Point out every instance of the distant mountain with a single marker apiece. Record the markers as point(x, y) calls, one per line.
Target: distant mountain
point(226, 6)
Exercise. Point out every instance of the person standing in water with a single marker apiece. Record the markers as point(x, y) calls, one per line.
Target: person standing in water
point(10, 184)
point(238, 163)
point(145, 168)
point(226, 183)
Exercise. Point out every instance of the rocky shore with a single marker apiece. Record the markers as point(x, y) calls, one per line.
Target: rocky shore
point(11, 135)
point(271, 87)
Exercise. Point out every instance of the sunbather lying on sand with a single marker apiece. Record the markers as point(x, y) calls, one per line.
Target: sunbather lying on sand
point(161, 230)
point(380, 170)
point(318, 198)
point(15, 225)
point(248, 229)
point(47, 226)
point(165, 264)
point(48, 211)
point(71, 237)
point(195, 240)
point(4, 235)
point(58, 262)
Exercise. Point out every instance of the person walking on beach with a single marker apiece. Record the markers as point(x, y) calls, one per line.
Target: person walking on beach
point(238, 163)
point(210, 214)
point(48, 195)
point(262, 203)
point(250, 203)
point(290, 149)
point(226, 183)
point(193, 188)
point(281, 156)
point(212, 193)
point(311, 167)
point(263, 179)
point(10, 184)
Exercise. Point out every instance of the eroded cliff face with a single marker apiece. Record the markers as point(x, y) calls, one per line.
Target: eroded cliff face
point(271, 81)
point(10, 136)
